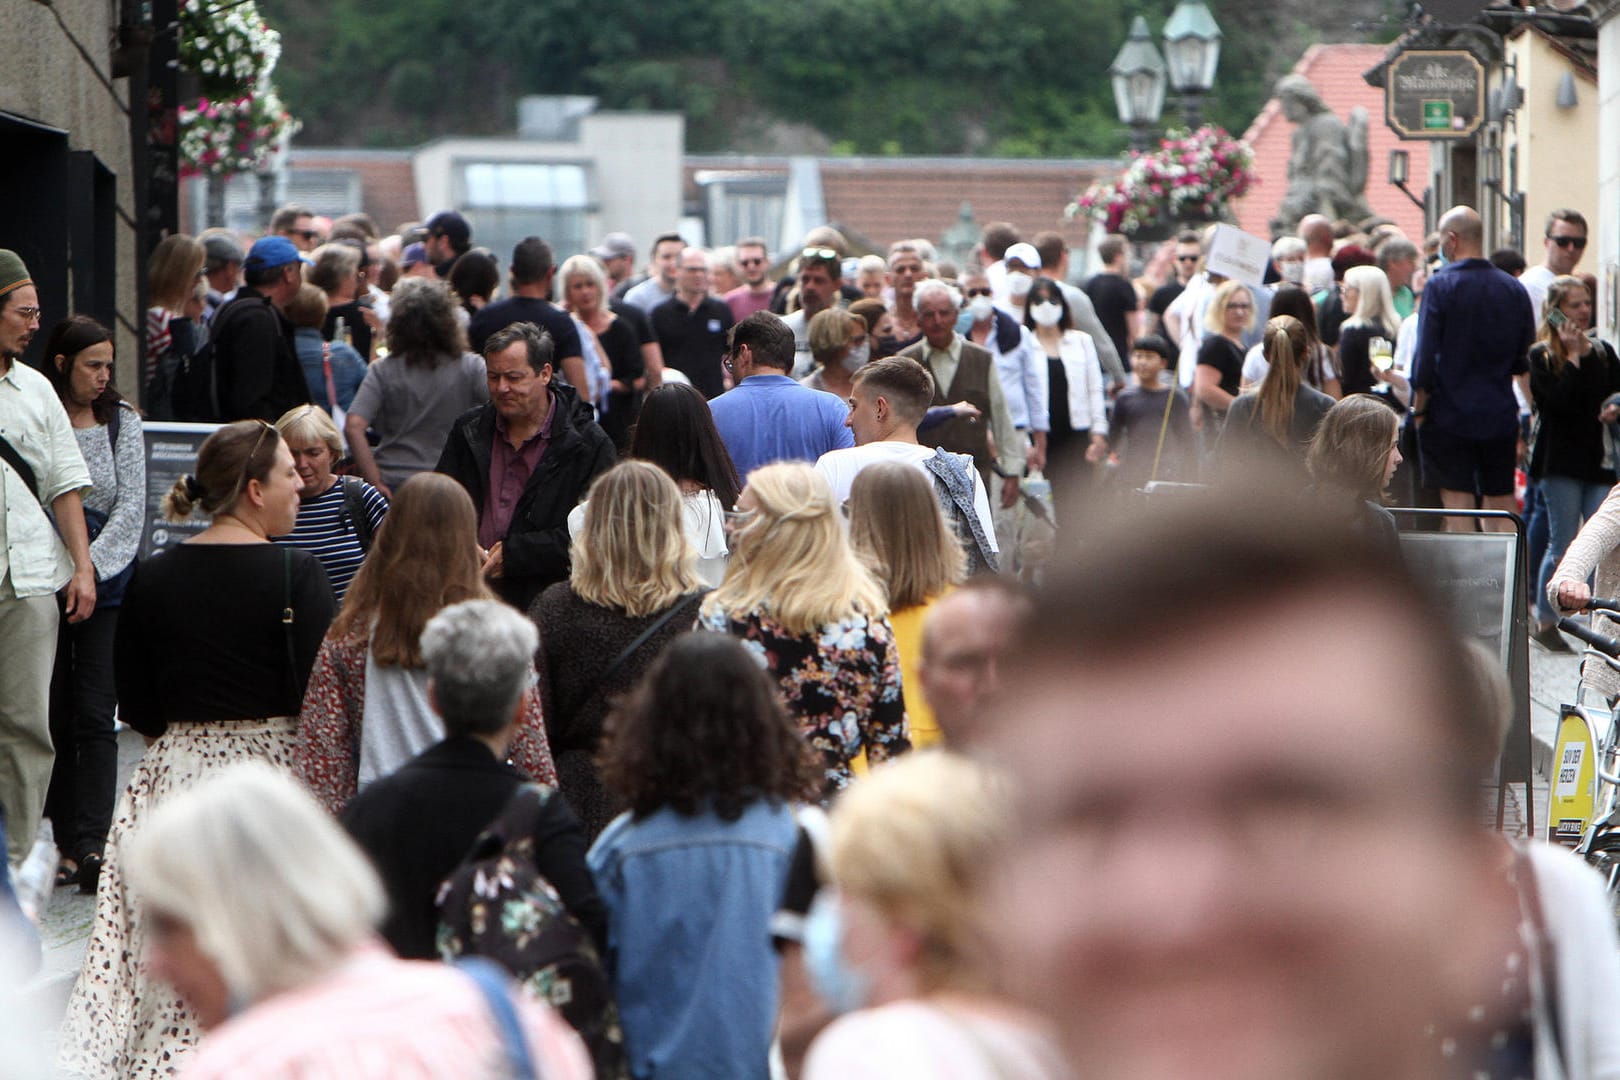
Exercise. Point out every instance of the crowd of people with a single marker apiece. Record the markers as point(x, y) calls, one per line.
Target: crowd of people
point(694, 673)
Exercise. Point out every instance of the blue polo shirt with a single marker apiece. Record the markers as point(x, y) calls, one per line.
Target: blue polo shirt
point(1475, 329)
point(767, 418)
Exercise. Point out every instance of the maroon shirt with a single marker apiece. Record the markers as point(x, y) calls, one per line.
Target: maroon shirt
point(509, 472)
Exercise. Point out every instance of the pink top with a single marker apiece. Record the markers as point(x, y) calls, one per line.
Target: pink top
point(380, 1018)
point(744, 301)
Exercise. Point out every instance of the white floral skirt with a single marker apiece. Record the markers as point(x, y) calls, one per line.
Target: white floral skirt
point(120, 1022)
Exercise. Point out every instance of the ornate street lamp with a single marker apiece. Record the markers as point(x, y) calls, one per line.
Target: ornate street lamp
point(1192, 47)
point(1138, 75)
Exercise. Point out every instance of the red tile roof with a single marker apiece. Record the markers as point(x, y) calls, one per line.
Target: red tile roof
point(1336, 72)
point(886, 201)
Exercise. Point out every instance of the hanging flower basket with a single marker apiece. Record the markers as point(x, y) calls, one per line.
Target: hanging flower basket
point(227, 45)
point(223, 138)
point(1189, 180)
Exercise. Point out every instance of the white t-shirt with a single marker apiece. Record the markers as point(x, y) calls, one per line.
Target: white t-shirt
point(1535, 281)
point(840, 467)
point(965, 1041)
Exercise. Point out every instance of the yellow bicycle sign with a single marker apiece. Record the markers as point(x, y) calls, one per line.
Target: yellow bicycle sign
point(1570, 811)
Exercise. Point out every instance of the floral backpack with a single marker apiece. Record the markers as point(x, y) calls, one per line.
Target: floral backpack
point(496, 904)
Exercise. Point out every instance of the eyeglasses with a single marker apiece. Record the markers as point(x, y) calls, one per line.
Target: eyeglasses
point(1567, 242)
point(971, 293)
point(29, 314)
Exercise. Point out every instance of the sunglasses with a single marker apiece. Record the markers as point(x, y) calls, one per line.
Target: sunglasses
point(971, 293)
point(1187, 258)
point(307, 234)
point(1567, 242)
point(820, 254)
point(750, 262)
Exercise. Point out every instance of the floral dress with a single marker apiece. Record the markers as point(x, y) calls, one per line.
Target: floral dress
point(841, 683)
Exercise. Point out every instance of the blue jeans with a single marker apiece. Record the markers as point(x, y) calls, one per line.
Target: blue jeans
point(1569, 502)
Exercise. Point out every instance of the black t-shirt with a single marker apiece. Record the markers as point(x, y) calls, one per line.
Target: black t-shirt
point(1163, 297)
point(200, 636)
point(1355, 359)
point(354, 322)
point(1569, 438)
point(1114, 297)
point(639, 323)
point(543, 313)
point(1225, 357)
point(694, 340)
point(1330, 316)
point(623, 349)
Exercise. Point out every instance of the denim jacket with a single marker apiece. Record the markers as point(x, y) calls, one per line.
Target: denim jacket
point(689, 902)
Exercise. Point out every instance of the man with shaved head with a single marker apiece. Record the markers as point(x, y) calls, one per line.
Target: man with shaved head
point(1474, 334)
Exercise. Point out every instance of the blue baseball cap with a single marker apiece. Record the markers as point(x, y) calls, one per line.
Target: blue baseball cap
point(269, 252)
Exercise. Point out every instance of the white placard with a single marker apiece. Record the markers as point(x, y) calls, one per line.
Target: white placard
point(1238, 255)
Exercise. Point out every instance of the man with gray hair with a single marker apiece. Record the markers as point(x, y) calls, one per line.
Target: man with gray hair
point(1398, 259)
point(418, 823)
point(1288, 256)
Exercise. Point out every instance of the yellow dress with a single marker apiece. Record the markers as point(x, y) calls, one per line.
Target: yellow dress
point(908, 627)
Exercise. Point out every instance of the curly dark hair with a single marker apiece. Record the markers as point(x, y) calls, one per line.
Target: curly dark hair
point(704, 729)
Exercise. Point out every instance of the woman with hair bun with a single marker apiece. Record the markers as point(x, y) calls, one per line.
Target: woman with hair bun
point(214, 645)
point(814, 617)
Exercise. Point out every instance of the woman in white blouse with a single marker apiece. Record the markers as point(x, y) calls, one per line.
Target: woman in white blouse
point(1073, 381)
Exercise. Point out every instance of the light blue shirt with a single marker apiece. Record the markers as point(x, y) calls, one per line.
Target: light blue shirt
point(769, 418)
point(689, 901)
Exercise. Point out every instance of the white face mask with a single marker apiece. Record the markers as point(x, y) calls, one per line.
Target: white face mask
point(1292, 270)
point(1018, 283)
point(980, 308)
point(1046, 313)
point(857, 356)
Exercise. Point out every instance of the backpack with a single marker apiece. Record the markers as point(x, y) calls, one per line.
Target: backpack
point(192, 381)
point(354, 510)
point(953, 486)
point(497, 905)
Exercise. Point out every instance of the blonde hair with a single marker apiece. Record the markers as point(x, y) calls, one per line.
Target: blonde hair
point(1287, 350)
point(829, 331)
point(1558, 291)
point(1375, 306)
point(171, 272)
point(910, 839)
point(310, 423)
point(586, 267)
point(227, 460)
point(1215, 316)
point(632, 553)
point(792, 558)
point(275, 892)
point(896, 524)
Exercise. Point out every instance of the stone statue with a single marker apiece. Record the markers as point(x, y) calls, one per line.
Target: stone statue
point(1327, 170)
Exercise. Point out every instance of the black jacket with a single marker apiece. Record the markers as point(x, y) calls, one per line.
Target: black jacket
point(418, 824)
point(535, 548)
point(256, 360)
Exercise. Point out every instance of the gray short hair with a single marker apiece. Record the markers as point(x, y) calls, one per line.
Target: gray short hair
point(1288, 247)
point(271, 886)
point(480, 659)
point(934, 287)
point(1394, 250)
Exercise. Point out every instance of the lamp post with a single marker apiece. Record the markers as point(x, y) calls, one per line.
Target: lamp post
point(1138, 75)
point(1192, 48)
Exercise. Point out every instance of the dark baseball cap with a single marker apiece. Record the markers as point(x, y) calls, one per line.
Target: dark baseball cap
point(221, 251)
point(451, 224)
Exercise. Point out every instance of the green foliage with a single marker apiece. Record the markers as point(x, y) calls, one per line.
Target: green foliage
point(874, 77)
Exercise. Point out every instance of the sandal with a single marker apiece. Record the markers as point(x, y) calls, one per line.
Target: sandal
point(89, 874)
point(66, 874)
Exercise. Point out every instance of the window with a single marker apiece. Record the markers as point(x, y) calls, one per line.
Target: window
point(508, 200)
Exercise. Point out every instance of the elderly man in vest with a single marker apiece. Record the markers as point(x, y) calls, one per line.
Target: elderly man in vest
point(964, 371)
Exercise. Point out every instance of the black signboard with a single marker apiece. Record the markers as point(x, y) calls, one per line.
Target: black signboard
point(1435, 94)
point(171, 452)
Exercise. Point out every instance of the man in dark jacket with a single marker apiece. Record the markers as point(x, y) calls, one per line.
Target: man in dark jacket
point(255, 360)
point(527, 459)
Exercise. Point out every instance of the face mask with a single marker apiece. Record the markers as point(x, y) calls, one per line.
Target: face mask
point(1046, 313)
point(1292, 271)
point(857, 356)
point(889, 344)
point(1018, 283)
point(980, 308)
point(964, 322)
point(841, 988)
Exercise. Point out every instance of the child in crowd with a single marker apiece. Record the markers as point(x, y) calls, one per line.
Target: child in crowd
point(1139, 418)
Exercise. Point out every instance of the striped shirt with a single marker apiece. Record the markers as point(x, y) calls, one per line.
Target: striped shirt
point(325, 531)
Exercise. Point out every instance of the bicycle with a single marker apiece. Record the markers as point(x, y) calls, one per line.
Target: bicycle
point(1584, 801)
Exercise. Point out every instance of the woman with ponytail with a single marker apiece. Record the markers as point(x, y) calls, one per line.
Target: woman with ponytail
point(214, 645)
point(1279, 419)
